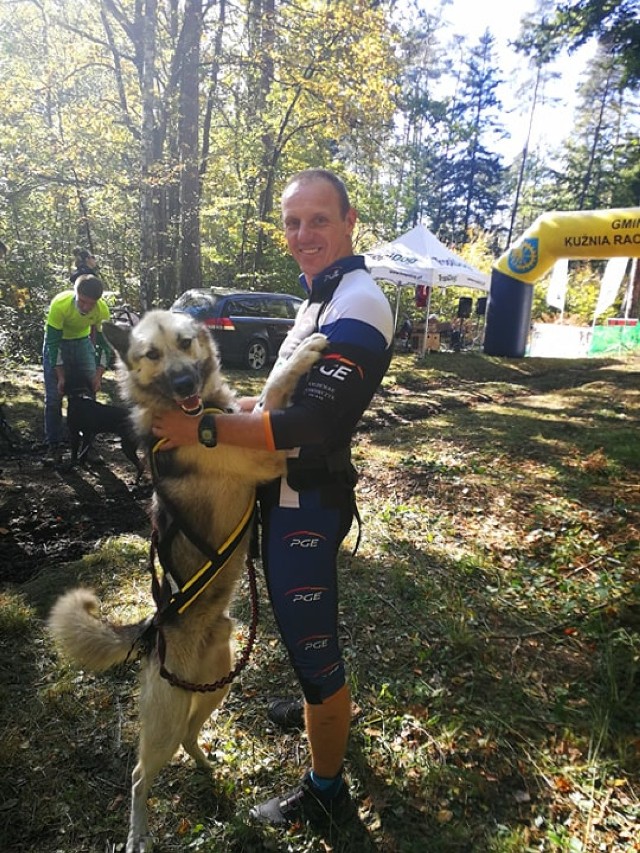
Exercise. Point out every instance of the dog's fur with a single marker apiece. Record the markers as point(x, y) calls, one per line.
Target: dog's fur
point(166, 360)
point(87, 418)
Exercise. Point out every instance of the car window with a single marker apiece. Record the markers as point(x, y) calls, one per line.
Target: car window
point(278, 307)
point(292, 307)
point(191, 299)
point(241, 306)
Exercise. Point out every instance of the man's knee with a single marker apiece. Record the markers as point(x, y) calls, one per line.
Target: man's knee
point(322, 687)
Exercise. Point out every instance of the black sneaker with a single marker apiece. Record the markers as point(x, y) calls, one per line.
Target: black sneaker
point(288, 714)
point(307, 803)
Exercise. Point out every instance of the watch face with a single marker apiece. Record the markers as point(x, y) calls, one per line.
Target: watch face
point(207, 431)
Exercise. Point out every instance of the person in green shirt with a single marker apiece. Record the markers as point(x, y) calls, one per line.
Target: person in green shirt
point(73, 346)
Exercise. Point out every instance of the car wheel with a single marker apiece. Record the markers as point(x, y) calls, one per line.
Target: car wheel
point(256, 355)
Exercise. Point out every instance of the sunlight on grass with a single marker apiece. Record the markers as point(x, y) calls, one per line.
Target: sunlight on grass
point(16, 615)
point(490, 622)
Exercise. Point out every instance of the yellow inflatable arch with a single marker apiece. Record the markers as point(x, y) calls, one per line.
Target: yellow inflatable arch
point(586, 234)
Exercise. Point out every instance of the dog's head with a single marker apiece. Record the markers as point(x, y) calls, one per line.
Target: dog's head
point(167, 360)
point(76, 385)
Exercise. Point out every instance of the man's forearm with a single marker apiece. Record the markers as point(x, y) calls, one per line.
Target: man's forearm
point(245, 430)
point(250, 430)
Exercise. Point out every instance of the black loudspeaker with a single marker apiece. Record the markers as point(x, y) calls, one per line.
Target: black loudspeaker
point(464, 306)
point(481, 306)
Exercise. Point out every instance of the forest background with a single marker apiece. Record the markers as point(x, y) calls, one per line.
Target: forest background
point(158, 134)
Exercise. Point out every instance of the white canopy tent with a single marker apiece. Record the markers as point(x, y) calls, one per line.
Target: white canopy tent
point(418, 257)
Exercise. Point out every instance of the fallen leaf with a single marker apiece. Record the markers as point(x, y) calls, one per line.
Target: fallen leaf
point(444, 816)
point(183, 827)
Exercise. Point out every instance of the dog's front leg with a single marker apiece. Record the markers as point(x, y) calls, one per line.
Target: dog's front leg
point(282, 382)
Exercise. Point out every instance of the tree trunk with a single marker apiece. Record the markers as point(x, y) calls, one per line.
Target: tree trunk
point(188, 145)
point(148, 242)
point(525, 152)
point(267, 38)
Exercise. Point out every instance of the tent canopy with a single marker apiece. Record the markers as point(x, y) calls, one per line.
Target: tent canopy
point(418, 257)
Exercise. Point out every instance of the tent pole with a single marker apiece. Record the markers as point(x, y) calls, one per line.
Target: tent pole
point(423, 343)
point(395, 320)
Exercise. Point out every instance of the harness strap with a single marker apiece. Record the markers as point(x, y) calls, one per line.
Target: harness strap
point(170, 601)
point(209, 570)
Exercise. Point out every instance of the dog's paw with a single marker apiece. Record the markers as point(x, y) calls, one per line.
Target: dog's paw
point(307, 353)
point(283, 378)
point(317, 342)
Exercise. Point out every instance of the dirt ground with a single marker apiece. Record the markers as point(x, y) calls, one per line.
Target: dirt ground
point(501, 539)
point(54, 515)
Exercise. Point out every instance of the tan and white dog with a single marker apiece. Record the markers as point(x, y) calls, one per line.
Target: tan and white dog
point(169, 360)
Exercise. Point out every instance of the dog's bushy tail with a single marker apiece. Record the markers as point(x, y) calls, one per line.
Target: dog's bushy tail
point(85, 639)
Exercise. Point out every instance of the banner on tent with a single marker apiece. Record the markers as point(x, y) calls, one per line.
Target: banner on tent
point(418, 257)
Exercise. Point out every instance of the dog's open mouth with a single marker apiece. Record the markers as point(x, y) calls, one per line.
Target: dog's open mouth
point(191, 405)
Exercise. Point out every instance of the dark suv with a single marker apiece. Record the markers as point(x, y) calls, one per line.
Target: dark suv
point(247, 326)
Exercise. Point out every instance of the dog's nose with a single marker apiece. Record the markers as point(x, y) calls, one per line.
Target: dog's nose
point(184, 384)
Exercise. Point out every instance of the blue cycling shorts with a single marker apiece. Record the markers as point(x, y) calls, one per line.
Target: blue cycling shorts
point(300, 547)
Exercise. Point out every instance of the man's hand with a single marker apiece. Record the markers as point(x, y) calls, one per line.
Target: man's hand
point(60, 380)
point(176, 428)
point(247, 404)
point(97, 380)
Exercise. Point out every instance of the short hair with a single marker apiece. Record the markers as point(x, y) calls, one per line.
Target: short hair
point(89, 286)
point(306, 176)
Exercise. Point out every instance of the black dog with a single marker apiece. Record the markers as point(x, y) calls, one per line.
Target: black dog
point(86, 418)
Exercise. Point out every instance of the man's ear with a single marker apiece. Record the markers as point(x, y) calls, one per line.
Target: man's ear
point(350, 219)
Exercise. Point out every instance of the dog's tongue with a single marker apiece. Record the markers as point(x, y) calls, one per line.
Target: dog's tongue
point(191, 405)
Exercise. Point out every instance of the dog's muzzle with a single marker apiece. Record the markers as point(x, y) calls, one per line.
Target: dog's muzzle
point(184, 386)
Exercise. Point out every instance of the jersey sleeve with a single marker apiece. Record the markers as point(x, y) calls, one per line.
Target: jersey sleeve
point(330, 401)
point(52, 337)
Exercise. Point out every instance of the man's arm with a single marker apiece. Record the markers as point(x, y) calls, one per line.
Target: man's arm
point(244, 429)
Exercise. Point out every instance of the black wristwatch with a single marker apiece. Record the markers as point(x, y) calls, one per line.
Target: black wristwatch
point(207, 433)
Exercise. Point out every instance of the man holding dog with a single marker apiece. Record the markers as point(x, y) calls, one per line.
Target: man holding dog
point(315, 501)
point(68, 347)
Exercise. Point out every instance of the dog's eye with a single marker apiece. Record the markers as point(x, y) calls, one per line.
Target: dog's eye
point(153, 354)
point(185, 343)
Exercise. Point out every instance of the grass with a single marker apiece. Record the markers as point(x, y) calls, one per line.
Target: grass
point(491, 623)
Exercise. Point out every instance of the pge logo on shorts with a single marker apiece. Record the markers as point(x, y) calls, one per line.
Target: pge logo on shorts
point(306, 594)
point(307, 539)
point(316, 643)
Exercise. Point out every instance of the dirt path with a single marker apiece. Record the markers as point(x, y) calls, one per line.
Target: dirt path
point(50, 516)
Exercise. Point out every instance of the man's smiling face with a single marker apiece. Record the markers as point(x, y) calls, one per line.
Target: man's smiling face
point(317, 233)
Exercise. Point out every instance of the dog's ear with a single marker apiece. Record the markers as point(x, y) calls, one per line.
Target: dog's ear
point(118, 336)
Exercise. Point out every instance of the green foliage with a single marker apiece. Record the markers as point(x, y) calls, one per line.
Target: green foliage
point(615, 24)
point(353, 86)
